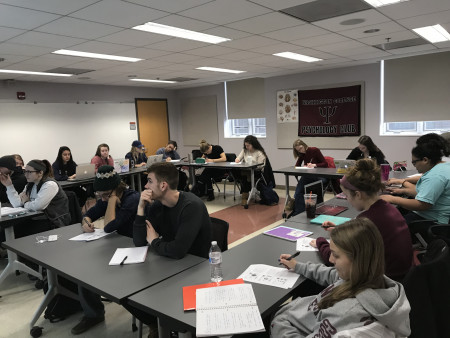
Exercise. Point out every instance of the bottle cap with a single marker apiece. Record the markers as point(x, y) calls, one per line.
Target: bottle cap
point(214, 243)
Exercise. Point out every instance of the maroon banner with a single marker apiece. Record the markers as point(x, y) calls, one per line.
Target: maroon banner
point(329, 112)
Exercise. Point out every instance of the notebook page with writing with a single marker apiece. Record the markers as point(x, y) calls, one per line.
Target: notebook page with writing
point(227, 310)
point(129, 255)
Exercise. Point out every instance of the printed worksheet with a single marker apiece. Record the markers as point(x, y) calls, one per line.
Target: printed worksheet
point(303, 244)
point(270, 275)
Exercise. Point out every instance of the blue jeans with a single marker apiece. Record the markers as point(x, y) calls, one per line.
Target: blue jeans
point(91, 303)
point(300, 192)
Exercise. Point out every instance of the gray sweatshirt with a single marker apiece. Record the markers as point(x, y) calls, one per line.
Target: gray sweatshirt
point(302, 317)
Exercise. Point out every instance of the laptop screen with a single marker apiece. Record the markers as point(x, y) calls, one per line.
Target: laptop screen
point(315, 188)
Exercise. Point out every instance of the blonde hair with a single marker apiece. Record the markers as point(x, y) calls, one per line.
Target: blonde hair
point(297, 143)
point(134, 153)
point(204, 146)
point(361, 242)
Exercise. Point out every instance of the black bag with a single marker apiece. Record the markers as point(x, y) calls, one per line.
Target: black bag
point(60, 307)
point(182, 181)
point(268, 195)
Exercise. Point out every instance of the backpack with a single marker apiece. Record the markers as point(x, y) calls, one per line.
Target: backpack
point(60, 307)
point(268, 195)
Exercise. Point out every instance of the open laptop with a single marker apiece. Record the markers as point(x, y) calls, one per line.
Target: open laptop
point(343, 165)
point(154, 159)
point(84, 171)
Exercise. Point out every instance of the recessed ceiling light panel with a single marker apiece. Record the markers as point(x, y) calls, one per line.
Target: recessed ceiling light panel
point(434, 34)
point(298, 57)
point(381, 3)
point(150, 80)
point(179, 33)
point(221, 70)
point(10, 71)
point(95, 55)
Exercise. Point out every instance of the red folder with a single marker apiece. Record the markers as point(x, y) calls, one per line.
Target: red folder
point(189, 291)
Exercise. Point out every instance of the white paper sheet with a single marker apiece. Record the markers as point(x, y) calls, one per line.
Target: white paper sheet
point(90, 236)
point(12, 211)
point(129, 255)
point(303, 244)
point(270, 275)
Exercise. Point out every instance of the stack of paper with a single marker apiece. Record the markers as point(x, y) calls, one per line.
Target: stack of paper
point(129, 255)
point(227, 310)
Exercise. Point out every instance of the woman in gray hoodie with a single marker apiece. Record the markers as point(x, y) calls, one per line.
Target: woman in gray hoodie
point(357, 292)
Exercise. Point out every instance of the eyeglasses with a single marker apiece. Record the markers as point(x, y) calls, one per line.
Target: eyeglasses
point(415, 161)
point(104, 195)
point(27, 172)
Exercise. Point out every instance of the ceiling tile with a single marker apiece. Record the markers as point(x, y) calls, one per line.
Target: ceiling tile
point(29, 19)
point(100, 47)
point(409, 9)
point(426, 20)
point(225, 12)
point(51, 6)
point(226, 32)
point(132, 37)
point(296, 33)
point(276, 48)
point(170, 6)
point(50, 60)
point(8, 33)
point(349, 52)
point(177, 45)
point(215, 50)
point(281, 4)
point(144, 53)
point(265, 23)
point(321, 40)
point(238, 56)
point(371, 55)
point(249, 42)
point(46, 40)
point(414, 49)
point(370, 17)
point(14, 48)
point(332, 47)
point(177, 58)
point(393, 37)
point(185, 23)
point(78, 28)
point(384, 28)
point(118, 13)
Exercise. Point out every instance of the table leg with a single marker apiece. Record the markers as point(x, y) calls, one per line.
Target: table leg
point(132, 182)
point(253, 190)
point(139, 182)
point(13, 263)
point(52, 291)
point(163, 332)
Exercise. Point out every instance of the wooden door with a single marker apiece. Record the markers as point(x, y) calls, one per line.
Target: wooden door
point(153, 123)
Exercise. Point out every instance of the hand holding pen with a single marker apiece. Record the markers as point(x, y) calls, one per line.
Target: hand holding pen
point(87, 225)
point(288, 260)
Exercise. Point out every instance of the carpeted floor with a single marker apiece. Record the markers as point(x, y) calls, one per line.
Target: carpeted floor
point(246, 221)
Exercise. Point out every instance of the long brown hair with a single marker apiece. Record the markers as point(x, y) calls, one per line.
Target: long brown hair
point(365, 176)
point(297, 143)
point(99, 149)
point(361, 242)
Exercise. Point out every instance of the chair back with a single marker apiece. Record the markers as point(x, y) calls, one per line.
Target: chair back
point(231, 157)
point(426, 287)
point(330, 161)
point(196, 153)
point(220, 232)
point(74, 207)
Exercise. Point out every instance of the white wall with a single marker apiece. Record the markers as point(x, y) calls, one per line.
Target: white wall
point(38, 130)
point(395, 148)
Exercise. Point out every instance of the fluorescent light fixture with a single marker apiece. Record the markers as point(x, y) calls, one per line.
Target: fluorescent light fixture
point(435, 33)
point(221, 70)
point(155, 81)
point(298, 57)
point(95, 55)
point(381, 3)
point(9, 71)
point(179, 32)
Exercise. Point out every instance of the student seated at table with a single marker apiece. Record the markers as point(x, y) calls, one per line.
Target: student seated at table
point(367, 149)
point(64, 166)
point(211, 154)
point(362, 185)
point(169, 152)
point(118, 205)
point(357, 292)
point(136, 155)
point(174, 223)
point(432, 199)
point(310, 157)
point(10, 169)
point(42, 193)
point(252, 152)
point(408, 184)
point(102, 156)
point(116, 202)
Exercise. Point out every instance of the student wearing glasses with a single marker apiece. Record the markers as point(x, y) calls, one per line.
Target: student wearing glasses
point(10, 169)
point(42, 193)
point(432, 197)
point(118, 205)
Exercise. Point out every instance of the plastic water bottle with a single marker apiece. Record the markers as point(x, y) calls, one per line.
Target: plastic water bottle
point(215, 262)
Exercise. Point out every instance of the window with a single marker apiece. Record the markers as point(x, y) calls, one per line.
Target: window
point(244, 127)
point(416, 127)
point(238, 128)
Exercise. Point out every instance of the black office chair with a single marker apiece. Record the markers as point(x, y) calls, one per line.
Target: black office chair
point(74, 207)
point(426, 287)
point(220, 232)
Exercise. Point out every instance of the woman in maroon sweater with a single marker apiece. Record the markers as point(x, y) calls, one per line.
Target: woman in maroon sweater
point(310, 157)
point(361, 185)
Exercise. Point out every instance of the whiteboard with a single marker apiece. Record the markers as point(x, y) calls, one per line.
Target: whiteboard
point(36, 131)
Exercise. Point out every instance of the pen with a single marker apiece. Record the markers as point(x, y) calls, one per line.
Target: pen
point(123, 260)
point(293, 256)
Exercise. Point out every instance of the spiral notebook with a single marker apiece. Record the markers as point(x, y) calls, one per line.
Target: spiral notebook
point(227, 310)
point(288, 233)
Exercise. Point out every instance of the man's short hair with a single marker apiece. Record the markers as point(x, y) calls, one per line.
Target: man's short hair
point(165, 172)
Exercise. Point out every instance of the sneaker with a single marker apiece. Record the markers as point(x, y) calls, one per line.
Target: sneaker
point(210, 195)
point(86, 323)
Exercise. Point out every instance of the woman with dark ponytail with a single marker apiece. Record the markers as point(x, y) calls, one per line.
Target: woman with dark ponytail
point(42, 193)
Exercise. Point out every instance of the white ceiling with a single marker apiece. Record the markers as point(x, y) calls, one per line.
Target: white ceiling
point(30, 30)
